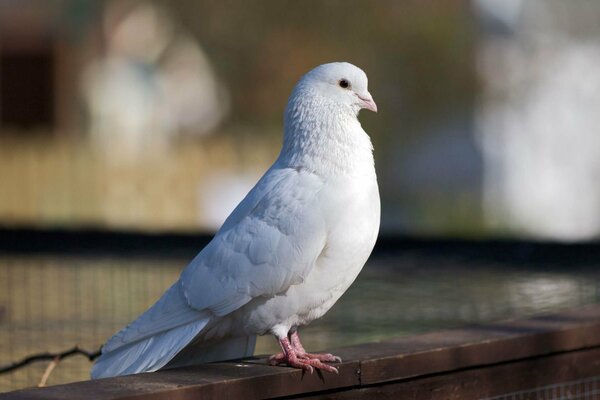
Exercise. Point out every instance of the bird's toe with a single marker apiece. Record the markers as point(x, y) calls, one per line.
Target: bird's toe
point(325, 357)
point(277, 359)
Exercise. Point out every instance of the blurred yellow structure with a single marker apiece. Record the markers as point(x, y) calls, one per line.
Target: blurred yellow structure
point(64, 181)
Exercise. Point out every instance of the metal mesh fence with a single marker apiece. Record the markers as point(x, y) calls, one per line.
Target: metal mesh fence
point(50, 303)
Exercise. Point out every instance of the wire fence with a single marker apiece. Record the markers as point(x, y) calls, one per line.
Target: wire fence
point(51, 303)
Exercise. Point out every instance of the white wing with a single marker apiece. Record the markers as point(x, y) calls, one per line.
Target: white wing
point(268, 243)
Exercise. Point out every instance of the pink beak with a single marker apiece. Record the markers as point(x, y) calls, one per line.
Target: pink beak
point(366, 101)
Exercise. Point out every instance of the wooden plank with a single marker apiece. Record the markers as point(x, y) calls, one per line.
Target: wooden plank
point(516, 380)
point(479, 345)
point(248, 380)
point(403, 359)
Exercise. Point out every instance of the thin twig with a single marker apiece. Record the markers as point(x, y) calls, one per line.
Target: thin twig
point(49, 357)
point(48, 371)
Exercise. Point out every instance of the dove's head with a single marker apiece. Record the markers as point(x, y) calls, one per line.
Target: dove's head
point(321, 127)
point(340, 83)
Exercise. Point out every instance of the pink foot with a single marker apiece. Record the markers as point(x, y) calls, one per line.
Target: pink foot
point(295, 356)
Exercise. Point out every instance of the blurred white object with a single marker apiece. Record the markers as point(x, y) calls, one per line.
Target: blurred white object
point(539, 123)
point(505, 13)
point(154, 81)
point(219, 194)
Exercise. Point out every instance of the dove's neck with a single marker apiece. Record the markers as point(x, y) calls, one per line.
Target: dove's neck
point(324, 137)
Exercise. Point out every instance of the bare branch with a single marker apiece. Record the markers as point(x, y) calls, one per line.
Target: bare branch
point(49, 357)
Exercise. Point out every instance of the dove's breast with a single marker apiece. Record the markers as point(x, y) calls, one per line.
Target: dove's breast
point(351, 209)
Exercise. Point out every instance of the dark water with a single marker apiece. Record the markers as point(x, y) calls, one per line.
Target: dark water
point(51, 303)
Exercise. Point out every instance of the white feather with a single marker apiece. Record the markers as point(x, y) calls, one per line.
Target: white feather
point(148, 354)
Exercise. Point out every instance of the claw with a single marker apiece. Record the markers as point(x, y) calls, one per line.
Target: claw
point(295, 356)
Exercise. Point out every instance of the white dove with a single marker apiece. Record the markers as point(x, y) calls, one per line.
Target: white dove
point(284, 256)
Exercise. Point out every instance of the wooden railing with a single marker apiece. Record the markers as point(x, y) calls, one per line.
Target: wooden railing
point(536, 357)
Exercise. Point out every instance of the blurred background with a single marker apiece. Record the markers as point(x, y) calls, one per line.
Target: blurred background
point(155, 118)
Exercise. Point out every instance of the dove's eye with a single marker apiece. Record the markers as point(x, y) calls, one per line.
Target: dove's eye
point(344, 83)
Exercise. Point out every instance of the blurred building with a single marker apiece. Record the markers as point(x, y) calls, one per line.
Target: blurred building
point(140, 73)
point(151, 81)
point(93, 95)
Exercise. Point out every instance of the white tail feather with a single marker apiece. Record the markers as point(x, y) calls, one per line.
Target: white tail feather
point(148, 354)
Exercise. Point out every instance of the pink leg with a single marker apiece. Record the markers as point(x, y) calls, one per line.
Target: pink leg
point(295, 356)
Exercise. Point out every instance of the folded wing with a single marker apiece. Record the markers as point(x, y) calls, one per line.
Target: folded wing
point(269, 242)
